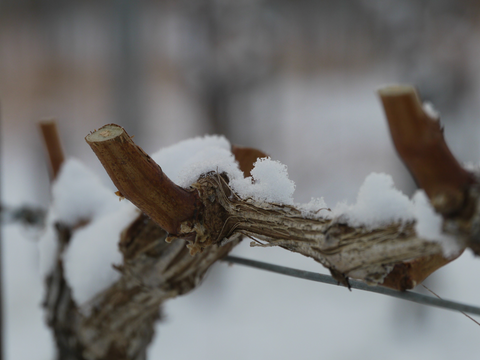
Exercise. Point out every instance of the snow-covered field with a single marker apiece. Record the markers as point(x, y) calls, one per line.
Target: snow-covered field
point(330, 132)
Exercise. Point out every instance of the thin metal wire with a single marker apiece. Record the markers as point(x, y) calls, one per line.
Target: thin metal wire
point(404, 295)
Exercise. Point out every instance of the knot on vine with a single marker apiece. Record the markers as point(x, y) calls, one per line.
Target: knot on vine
point(208, 227)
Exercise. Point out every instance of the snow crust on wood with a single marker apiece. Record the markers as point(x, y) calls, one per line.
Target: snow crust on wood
point(429, 225)
point(316, 208)
point(379, 203)
point(93, 250)
point(184, 162)
point(79, 197)
point(269, 182)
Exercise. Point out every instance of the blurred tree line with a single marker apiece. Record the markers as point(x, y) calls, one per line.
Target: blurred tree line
point(217, 49)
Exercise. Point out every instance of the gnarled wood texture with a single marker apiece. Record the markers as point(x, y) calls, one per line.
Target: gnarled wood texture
point(368, 255)
point(118, 323)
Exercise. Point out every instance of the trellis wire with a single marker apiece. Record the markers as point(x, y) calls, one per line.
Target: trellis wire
point(35, 217)
point(327, 279)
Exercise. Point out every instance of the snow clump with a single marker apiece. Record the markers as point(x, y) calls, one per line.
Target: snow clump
point(269, 182)
point(429, 224)
point(78, 196)
point(379, 203)
point(184, 162)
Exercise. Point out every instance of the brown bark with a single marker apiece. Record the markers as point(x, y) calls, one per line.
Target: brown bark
point(408, 274)
point(419, 141)
point(53, 144)
point(246, 158)
point(141, 180)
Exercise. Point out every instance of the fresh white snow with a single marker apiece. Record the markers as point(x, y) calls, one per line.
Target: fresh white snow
point(93, 250)
point(78, 196)
point(316, 208)
point(269, 182)
point(429, 225)
point(380, 203)
point(47, 246)
point(185, 161)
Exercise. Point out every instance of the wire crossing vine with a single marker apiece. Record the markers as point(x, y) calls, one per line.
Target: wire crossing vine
point(182, 231)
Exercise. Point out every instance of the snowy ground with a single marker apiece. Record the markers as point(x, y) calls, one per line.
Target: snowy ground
point(330, 132)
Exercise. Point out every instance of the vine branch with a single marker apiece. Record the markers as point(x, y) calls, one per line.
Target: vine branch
point(419, 141)
point(52, 142)
point(209, 219)
point(393, 256)
point(139, 179)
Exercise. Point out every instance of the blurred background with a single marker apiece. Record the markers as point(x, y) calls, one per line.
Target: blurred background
point(296, 79)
